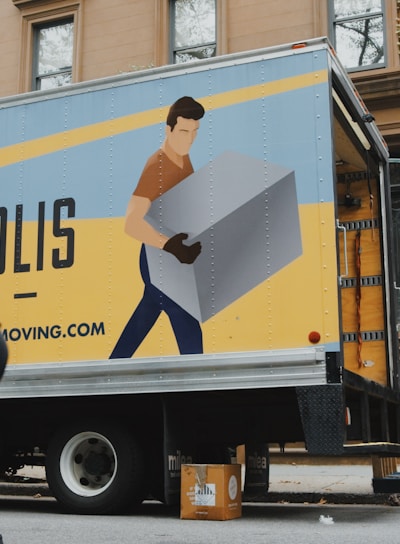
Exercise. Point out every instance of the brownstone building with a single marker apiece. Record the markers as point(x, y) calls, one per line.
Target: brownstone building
point(48, 43)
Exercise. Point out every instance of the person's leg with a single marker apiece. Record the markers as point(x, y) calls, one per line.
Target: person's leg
point(138, 326)
point(187, 331)
point(142, 319)
point(186, 328)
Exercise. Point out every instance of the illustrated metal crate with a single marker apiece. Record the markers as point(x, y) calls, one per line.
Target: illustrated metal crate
point(244, 211)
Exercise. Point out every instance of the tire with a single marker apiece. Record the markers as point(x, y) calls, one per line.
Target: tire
point(3, 354)
point(95, 468)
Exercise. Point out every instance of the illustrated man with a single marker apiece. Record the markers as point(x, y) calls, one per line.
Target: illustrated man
point(167, 167)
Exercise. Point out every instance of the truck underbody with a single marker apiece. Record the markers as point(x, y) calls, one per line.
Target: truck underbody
point(166, 426)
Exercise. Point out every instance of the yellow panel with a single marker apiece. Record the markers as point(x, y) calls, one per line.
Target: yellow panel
point(371, 309)
point(374, 354)
point(370, 255)
point(79, 312)
point(370, 314)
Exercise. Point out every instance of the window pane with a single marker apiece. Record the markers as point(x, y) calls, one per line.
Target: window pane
point(194, 22)
point(347, 8)
point(54, 81)
point(195, 54)
point(55, 47)
point(360, 42)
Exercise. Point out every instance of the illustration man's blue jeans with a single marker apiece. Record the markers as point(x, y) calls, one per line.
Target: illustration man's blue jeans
point(186, 328)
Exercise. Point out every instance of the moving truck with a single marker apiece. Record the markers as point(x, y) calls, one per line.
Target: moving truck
point(193, 258)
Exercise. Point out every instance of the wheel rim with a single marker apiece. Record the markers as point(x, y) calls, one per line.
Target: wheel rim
point(88, 464)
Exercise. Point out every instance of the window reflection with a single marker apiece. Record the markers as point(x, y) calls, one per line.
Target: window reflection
point(359, 33)
point(346, 8)
point(193, 31)
point(54, 54)
point(360, 43)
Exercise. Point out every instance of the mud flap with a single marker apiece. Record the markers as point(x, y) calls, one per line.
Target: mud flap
point(177, 452)
point(257, 471)
point(322, 415)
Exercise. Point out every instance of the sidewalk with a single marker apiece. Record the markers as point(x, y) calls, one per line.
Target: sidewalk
point(314, 483)
point(295, 481)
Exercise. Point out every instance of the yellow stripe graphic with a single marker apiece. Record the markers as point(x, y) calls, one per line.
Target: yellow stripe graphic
point(63, 140)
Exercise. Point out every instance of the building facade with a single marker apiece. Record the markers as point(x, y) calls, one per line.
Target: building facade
point(48, 43)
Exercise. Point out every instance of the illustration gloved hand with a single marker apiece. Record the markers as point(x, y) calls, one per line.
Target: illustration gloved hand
point(184, 254)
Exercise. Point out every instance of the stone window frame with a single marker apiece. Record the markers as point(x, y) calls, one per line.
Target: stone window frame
point(361, 17)
point(162, 44)
point(38, 12)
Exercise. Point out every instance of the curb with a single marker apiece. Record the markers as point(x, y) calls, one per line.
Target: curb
point(25, 489)
point(40, 489)
point(326, 498)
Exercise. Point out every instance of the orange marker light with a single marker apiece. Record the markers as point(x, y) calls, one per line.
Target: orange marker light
point(314, 337)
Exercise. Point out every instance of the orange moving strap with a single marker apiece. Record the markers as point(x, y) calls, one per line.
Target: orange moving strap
point(358, 295)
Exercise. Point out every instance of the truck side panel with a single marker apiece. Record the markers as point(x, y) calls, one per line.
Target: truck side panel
point(69, 275)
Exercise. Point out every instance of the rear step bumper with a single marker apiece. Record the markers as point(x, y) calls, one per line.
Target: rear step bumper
point(386, 478)
point(389, 484)
point(384, 449)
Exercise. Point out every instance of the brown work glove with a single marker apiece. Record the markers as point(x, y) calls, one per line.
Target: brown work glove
point(184, 254)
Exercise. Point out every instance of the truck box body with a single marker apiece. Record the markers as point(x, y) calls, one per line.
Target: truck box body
point(71, 274)
point(291, 291)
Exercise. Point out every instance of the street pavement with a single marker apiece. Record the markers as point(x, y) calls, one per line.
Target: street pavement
point(296, 481)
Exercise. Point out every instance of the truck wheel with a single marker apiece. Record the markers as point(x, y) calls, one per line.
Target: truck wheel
point(3, 354)
point(95, 468)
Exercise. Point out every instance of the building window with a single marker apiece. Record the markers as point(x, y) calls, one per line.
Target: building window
point(50, 43)
point(358, 33)
point(193, 30)
point(52, 54)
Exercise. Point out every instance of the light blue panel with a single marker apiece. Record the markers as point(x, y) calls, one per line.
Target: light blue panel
point(12, 122)
point(100, 176)
point(292, 129)
point(71, 109)
point(285, 129)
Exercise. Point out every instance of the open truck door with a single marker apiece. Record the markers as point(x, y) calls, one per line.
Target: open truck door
point(394, 165)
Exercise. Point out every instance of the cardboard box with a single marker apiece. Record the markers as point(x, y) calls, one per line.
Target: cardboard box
point(211, 492)
point(244, 211)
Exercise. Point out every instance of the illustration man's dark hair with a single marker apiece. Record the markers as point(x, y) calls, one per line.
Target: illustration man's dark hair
point(185, 107)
